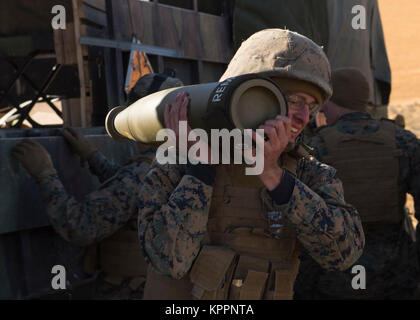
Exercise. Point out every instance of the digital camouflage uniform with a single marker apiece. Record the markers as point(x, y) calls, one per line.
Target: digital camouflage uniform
point(174, 209)
point(107, 217)
point(101, 213)
point(390, 256)
point(185, 219)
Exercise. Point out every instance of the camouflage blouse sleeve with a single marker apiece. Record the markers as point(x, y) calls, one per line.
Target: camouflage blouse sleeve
point(328, 228)
point(409, 165)
point(172, 218)
point(101, 212)
point(101, 167)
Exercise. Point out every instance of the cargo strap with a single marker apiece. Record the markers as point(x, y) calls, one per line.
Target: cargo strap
point(211, 273)
point(254, 285)
point(282, 278)
point(250, 278)
point(255, 244)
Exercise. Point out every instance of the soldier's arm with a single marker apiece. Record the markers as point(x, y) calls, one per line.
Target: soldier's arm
point(100, 213)
point(410, 165)
point(329, 229)
point(101, 167)
point(173, 213)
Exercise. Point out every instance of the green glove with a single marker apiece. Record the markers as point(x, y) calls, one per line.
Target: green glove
point(34, 158)
point(78, 143)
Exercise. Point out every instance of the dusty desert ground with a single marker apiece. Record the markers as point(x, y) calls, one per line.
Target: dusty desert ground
point(401, 26)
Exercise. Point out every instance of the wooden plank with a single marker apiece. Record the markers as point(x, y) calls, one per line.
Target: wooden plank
point(191, 41)
point(80, 63)
point(200, 36)
point(212, 71)
point(122, 30)
point(184, 69)
point(143, 17)
point(94, 15)
point(170, 34)
point(92, 31)
point(71, 112)
point(98, 4)
point(65, 45)
point(69, 51)
point(199, 62)
point(121, 20)
point(215, 37)
point(81, 27)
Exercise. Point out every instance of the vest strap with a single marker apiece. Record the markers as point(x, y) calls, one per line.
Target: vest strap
point(254, 286)
point(256, 245)
point(211, 272)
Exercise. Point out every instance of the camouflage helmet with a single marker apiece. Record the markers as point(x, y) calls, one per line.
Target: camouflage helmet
point(151, 83)
point(285, 54)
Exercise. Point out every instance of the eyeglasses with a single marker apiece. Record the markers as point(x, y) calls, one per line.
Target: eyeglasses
point(297, 102)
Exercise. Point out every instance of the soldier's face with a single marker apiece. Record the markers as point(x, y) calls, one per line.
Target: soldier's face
point(300, 117)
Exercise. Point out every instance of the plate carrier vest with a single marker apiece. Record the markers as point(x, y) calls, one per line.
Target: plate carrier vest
point(239, 260)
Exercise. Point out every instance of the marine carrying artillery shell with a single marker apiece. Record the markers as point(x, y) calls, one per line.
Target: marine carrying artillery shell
point(240, 102)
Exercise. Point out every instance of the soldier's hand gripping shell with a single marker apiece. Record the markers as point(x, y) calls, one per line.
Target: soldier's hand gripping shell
point(79, 143)
point(178, 111)
point(175, 113)
point(34, 158)
point(278, 132)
